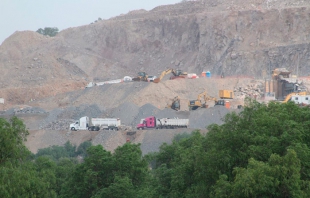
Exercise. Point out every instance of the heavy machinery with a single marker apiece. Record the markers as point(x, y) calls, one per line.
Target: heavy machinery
point(301, 100)
point(176, 74)
point(289, 96)
point(226, 94)
point(195, 104)
point(175, 104)
point(142, 76)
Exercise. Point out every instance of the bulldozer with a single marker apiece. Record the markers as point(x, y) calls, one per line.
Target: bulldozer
point(195, 104)
point(176, 74)
point(142, 76)
point(175, 104)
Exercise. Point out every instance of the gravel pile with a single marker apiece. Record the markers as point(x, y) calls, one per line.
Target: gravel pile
point(27, 110)
point(76, 113)
point(127, 112)
point(201, 118)
point(59, 125)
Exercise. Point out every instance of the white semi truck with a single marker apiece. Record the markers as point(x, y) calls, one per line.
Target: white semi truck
point(95, 124)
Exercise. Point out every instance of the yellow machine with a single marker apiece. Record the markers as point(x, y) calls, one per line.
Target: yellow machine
point(176, 73)
point(175, 104)
point(226, 94)
point(288, 97)
point(142, 76)
point(195, 104)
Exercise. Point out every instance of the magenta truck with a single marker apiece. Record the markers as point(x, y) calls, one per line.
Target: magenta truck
point(162, 123)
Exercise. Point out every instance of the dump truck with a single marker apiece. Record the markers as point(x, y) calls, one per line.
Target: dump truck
point(226, 94)
point(95, 124)
point(162, 123)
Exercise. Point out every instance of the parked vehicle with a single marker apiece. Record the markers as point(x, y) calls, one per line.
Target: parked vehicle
point(161, 123)
point(95, 124)
point(151, 78)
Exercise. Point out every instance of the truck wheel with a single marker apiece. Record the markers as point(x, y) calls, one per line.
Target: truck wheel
point(72, 129)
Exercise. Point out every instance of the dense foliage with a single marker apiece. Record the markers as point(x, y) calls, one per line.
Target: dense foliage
point(261, 152)
point(49, 31)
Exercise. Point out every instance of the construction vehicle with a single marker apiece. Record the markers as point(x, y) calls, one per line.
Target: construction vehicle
point(302, 100)
point(226, 94)
point(95, 124)
point(289, 96)
point(175, 104)
point(142, 76)
point(162, 123)
point(176, 74)
point(195, 104)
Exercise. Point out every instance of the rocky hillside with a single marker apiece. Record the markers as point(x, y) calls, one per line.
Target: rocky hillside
point(224, 37)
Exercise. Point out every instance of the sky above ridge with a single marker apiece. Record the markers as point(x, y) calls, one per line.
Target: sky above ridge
point(20, 15)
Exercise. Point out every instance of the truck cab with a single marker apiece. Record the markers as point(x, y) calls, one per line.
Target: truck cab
point(149, 122)
point(81, 124)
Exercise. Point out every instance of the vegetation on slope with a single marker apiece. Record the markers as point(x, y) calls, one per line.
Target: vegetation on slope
point(261, 152)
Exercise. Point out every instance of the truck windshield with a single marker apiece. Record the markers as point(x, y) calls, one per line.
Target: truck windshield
point(142, 121)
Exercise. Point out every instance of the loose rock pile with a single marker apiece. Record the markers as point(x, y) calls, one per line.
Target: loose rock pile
point(253, 90)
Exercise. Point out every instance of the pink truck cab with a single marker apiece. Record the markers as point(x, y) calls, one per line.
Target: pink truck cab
point(149, 122)
point(163, 123)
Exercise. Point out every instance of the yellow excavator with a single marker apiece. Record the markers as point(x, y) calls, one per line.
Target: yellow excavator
point(195, 104)
point(142, 76)
point(176, 74)
point(175, 104)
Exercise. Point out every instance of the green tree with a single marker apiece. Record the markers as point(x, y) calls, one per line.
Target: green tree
point(82, 149)
point(56, 152)
point(50, 31)
point(211, 165)
point(102, 174)
point(13, 133)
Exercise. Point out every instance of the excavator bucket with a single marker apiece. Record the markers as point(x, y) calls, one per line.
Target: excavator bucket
point(156, 80)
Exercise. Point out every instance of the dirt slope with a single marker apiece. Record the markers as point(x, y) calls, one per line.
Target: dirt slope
point(43, 79)
point(224, 37)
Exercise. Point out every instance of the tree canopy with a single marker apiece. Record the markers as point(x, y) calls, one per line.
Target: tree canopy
point(49, 31)
point(262, 151)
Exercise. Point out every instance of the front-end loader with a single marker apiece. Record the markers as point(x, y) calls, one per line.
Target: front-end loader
point(175, 104)
point(142, 76)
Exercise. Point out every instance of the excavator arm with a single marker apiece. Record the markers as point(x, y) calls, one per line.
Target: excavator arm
point(157, 80)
